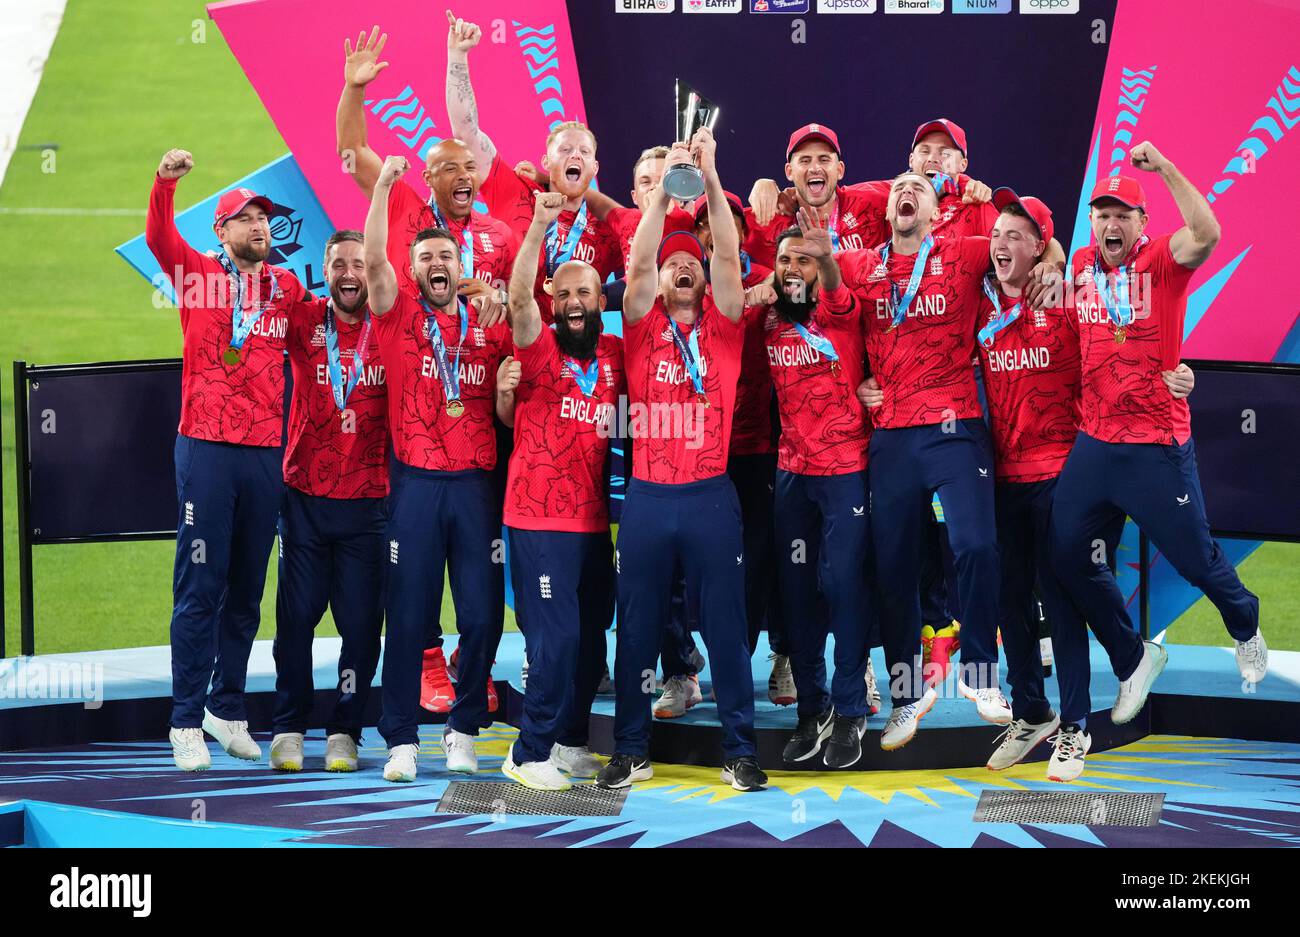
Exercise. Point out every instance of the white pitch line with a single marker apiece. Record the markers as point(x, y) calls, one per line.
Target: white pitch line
point(74, 212)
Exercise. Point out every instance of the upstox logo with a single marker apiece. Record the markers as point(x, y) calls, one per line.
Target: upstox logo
point(1049, 6)
point(846, 6)
point(643, 6)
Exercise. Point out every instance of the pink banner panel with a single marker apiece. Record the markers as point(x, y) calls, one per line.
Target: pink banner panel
point(524, 71)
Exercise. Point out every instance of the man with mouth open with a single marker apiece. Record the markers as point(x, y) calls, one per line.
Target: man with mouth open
point(561, 555)
point(441, 364)
point(683, 342)
point(1134, 454)
point(234, 318)
point(920, 296)
point(332, 519)
point(813, 340)
point(570, 163)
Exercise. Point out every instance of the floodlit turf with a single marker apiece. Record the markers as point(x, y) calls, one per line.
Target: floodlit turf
point(118, 91)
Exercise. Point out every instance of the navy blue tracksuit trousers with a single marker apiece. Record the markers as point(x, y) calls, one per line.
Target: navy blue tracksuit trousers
point(1158, 486)
point(696, 524)
point(229, 498)
point(331, 555)
point(564, 601)
point(440, 520)
point(824, 529)
point(907, 466)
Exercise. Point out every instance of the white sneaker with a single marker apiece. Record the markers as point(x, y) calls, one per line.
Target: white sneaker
point(680, 694)
point(1019, 740)
point(873, 689)
point(232, 735)
point(991, 705)
point(401, 763)
point(459, 749)
point(340, 752)
point(534, 775)
point(780, 685)
point(1133, 691)
point(1069, 748)
point(1252, 658)
point(190, 749)
point(286, 752)
point(901, 726)
point(576, 761)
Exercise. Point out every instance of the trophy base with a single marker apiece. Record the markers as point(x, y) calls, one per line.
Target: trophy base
point(683, 182)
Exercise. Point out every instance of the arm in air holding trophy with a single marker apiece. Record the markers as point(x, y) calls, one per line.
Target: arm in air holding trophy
point(643, 266)
point(724, 265)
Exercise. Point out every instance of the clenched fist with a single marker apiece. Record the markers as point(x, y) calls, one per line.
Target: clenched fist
point(508, 375)
point(175, 163)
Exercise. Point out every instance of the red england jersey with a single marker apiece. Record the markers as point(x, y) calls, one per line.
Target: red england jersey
point(1124, 397)
point(623, 222)
point(331, 453)
point(856, 216)
point(1031, 384)
point(242, 403)
point(509, 197)
point(494, 243)
point(923, 365)
point(751, 425)
point(676, 439)
point(954, 219)
point(824, 429)
point(425, 435)
point(557, 475)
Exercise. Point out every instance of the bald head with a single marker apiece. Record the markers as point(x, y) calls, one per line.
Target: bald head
point(452, 176)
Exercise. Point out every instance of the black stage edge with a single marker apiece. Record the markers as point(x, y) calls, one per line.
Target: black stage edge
point(693, 744)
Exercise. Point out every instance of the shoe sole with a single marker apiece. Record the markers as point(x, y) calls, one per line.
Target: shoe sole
point(638, 774)
point(969, 694)
point(730, 779)
point(257, 757)
point(194, 768)
point(439, 709)
point(919, 717)
point(1064, 780)
point(289, 767)
point(398, 779)
point(1029, 748)
point(510, 771)
point(783, 700)
point(1146, 690)
point(341, 766)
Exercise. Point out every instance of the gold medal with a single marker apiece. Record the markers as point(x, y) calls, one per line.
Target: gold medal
point(1120, 335)
point(702, 399)
point(455, 407)
point(231, 357)
point(835, 367)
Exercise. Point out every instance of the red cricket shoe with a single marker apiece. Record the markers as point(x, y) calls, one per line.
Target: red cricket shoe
point(937, 648)
point(436, 692)
point(493, 703)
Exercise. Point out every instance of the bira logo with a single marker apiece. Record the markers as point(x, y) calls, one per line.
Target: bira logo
point(643, 6)
point(78, 890)
point(711, 6)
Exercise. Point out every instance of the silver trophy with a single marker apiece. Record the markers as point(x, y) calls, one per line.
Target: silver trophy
point(685, 182)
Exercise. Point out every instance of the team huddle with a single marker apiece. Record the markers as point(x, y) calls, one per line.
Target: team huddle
point(797, 381)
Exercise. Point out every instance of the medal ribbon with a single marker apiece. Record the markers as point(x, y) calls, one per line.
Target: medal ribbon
point(467, 239)
point(241, 326)
point(943, 182)
point(901, 305)
point(450, 376)
point(817, 342)
point(689, 350)
point(833, 226)
point(1119, 306)
point(1000, 319)
point(745, 265)
point(335, 358)
point(556, 255)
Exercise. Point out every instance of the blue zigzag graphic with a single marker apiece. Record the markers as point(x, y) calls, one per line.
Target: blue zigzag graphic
point(1285, 103)
point(406, 113)
point(1134, 86)
point(539, 45)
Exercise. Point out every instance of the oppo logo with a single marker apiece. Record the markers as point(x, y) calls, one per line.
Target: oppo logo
point(1049, 6)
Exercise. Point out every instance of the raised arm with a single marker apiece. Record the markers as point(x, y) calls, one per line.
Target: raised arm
point(724, 266)
point(461, 106)
point(1193, 243)
point(381, 278)
point(642, 262)
point(525, 317)
point(161, 236)
point(360, 67)
point(817, 245)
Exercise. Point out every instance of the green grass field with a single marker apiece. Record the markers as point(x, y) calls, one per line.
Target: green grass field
point(118, 91)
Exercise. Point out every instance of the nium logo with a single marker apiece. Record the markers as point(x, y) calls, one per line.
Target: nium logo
point(712, 6)
point(846, 6)
point(643, 6)
point(1049, 6)
point(76, 890)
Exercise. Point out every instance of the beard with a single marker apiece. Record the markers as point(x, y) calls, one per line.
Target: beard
point(357, 302)
point(580, 343)
point(792, 310)
point(250, 254)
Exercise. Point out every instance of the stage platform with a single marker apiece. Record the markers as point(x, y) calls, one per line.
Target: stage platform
point(72, 775)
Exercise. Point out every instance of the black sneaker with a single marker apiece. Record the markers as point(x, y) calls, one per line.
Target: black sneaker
point(623, 770)
point(808, 736)
point(744, 774)
point(845, 746)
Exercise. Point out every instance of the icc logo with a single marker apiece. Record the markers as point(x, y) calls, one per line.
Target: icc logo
point(286, 228)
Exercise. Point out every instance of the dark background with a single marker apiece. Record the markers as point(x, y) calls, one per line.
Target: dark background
point(1024, 88)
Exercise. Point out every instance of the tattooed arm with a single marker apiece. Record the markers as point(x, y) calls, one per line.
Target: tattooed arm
point(461, 106)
